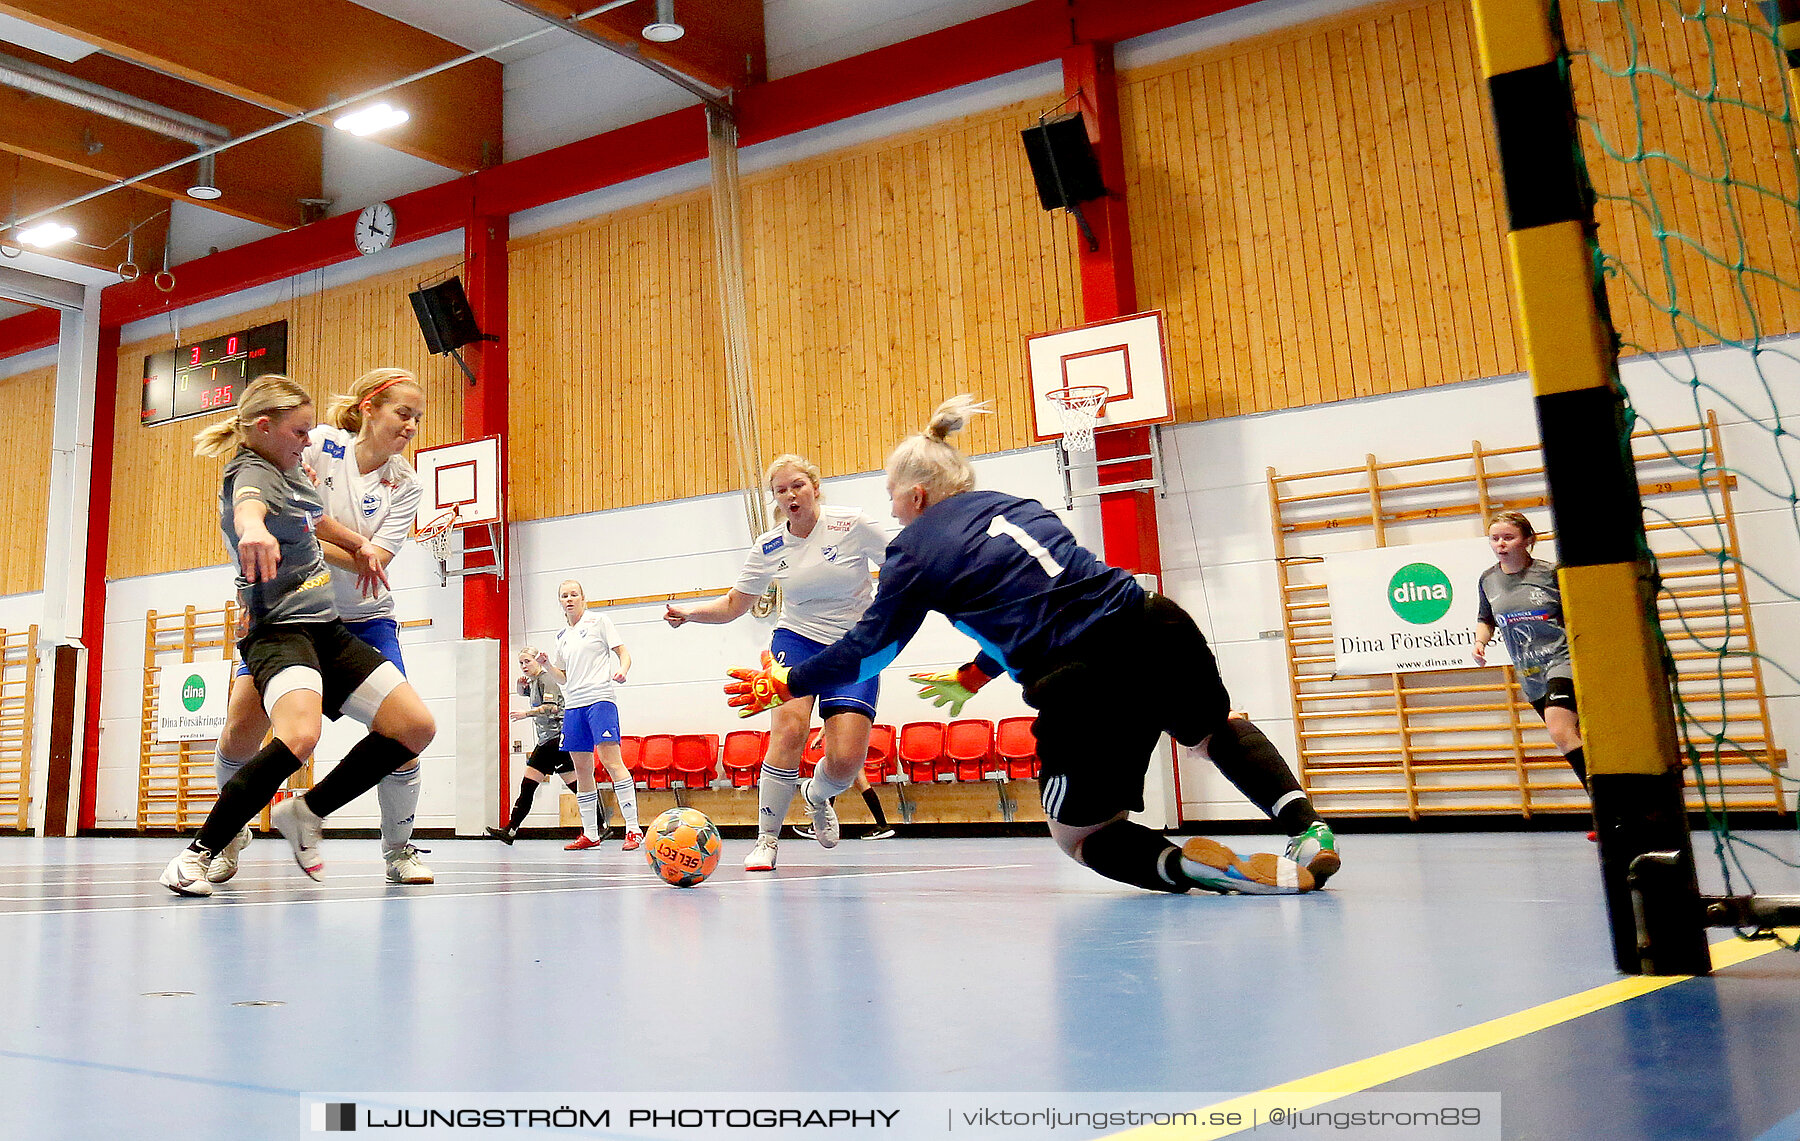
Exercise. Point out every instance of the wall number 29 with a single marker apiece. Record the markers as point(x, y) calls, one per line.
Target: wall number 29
point(1003, 526)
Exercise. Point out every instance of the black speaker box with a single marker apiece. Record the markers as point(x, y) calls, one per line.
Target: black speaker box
point(444, 316)
point(1062, 162)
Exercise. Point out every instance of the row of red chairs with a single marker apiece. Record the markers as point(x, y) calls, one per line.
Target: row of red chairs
point(923, 752)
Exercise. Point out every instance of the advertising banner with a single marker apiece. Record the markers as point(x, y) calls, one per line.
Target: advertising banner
point(191, 699)
point(1408, 608)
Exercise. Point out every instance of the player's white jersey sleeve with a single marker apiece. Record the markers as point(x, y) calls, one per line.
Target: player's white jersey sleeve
point(762, 563)
point(402, 506)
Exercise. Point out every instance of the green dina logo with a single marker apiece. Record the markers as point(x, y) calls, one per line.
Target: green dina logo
point(193, 692)
point(1419, 593)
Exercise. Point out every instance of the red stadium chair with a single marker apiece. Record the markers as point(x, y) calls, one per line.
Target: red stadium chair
point(922, 750)
point(631, 751)
point(743, 757)
point(881, 767)
point(813, 753)
point(1016, 745)
point(696, 760)
point(969, 749)
point(658, 760)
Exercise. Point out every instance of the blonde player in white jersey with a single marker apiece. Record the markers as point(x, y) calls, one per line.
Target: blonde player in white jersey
point(825, 557)
point(358, 464)
point(589, 659)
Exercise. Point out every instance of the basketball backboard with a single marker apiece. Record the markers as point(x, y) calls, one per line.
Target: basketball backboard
point(1125, 355)
point(463, 475)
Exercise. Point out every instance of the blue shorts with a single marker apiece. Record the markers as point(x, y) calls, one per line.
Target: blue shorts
point(790, 649)
point(588, 725)
point(382, 633)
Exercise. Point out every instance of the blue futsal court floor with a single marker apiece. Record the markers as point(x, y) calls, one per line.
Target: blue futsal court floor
point(1444, 963)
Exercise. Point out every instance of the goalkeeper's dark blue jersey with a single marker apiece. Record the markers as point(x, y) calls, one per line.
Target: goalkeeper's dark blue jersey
point(1004, 570)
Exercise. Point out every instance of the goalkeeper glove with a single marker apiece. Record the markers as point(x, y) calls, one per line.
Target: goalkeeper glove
point(752, 691)
point(951, 689)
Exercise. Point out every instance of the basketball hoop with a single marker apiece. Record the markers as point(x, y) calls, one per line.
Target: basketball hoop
point(1080, 407)
point(436, 535)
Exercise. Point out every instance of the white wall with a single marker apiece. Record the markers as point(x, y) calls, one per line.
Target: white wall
point(1218, 549)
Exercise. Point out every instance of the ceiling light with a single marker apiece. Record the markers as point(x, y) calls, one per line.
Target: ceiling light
point(368, 120)
point(206, 183)
point(46, 234)
point(664, 29)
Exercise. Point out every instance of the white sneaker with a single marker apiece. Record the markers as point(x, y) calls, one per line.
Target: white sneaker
point(303, 827)
point(761, 857)
point(225, 864)
point(405, 866)
point(186, 873)
point(824, 817)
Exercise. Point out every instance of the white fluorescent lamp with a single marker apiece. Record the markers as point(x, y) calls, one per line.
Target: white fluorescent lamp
point(368, 120)
point(46, 234)
point(664, 29)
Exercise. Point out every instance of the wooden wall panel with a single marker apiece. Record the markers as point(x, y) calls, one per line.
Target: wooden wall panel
point(26, 401)
point(164, 513)
point(880, 280)
point(1318, 210)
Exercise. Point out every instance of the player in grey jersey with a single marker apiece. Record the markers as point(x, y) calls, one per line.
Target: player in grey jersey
point(1521, 600)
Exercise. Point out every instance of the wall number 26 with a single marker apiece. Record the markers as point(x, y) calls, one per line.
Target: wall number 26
point(1001, 525)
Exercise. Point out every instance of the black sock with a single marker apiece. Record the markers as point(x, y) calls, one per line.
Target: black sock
point(521, 806)
point(1251, 761)
point(1133, 854)
point(362, 768)
point(1577, 761)
point(245, 794)
point(874, 803)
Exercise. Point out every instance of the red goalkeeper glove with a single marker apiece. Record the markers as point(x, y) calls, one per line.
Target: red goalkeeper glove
point(951, 689)
point(752, 691)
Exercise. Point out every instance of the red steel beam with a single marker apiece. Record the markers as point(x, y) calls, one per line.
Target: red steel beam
point(29, 332)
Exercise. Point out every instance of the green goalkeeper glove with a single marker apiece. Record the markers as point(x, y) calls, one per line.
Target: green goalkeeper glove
point(951, 689)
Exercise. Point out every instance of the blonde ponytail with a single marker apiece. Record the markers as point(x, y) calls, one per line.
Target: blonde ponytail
point(345, 410)
point(268, 395)
point(929, 460)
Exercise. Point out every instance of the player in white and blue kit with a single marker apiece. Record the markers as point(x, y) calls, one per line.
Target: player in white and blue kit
point(358, 463)
point(589, 659)
point(825, 557)
point(1109, 668)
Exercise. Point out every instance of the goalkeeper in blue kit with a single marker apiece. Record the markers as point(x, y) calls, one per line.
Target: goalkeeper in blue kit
point(1108, 666)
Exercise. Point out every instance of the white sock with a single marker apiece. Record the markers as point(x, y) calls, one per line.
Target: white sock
point(774, 792)
point(589, 803)
point(625, 792)
point(224, 770)
point(398, 793)
point(824, 789)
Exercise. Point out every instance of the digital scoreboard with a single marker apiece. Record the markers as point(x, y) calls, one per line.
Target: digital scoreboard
point(200, 379)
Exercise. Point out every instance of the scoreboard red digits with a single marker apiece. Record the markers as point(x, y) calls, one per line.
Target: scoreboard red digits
point(196, 380)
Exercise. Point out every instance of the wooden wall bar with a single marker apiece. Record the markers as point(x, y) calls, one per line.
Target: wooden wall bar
point(26, 401)
point(165, 500)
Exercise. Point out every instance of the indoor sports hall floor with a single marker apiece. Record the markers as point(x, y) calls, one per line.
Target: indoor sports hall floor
point(909, 965)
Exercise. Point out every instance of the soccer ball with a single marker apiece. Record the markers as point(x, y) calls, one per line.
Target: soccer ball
point(683, 846)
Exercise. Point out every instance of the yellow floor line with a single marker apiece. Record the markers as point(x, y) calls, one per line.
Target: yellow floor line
point(1354, 1077)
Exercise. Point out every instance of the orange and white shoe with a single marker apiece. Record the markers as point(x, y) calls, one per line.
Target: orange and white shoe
point(633, 841)
point(582, 843)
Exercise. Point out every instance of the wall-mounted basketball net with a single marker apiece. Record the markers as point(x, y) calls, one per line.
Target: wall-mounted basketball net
point(463, 498)
point(1095, 379)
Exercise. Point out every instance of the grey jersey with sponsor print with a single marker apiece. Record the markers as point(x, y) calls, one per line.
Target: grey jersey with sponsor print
point(543, 690)
point(301, 588)
point(1527, 610)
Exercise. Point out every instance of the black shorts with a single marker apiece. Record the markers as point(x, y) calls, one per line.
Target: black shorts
point(549, 758)
point(349, 669)
point(1105, 701)
point(1558, 691)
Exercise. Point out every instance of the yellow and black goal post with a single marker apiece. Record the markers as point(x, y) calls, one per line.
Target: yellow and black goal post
point(1607, 574)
